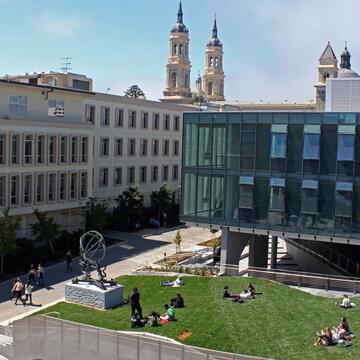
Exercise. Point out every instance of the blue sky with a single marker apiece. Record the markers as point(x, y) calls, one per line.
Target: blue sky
point(271, 46)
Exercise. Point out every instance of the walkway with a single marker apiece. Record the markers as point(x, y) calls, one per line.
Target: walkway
point(134, 250)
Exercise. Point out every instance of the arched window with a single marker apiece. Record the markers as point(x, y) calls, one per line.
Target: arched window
point(187, 81)
point(210, 88)
point(211, 61)
point(181, 49)
point(326, 75)
point(173, 79)
point(216, 61)
point(174, 49)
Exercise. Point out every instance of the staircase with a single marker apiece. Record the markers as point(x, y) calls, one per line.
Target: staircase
point(284, 261)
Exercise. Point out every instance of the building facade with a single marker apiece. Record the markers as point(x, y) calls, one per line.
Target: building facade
point(294, 175)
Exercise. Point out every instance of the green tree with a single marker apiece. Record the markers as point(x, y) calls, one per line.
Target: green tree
point(134, 92)
point(161, 200)
point(96, 215)
point(177, 240)
point(9, 225)
point(45, 228)
point(130, 205)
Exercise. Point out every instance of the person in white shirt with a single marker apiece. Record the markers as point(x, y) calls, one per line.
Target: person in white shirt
point(28, 292)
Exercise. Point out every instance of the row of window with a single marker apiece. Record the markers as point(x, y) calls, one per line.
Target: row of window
point(105, 118)
point(131, 147)
point(143, 175)
point(29, 149)
point(40, 188)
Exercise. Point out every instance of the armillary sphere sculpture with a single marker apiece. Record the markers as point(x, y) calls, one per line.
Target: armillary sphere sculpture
point(92, 255)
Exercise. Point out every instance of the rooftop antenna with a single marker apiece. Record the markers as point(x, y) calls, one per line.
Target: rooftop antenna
point(66, 64)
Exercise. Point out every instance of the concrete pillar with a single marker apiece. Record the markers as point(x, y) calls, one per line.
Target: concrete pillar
point(274, 248)
point(232, 246)
point(258, 251)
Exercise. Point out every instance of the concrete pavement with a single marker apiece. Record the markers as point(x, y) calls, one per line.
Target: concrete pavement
point(133, 251)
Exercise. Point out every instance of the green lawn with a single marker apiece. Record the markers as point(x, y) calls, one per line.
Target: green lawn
point(279, 324)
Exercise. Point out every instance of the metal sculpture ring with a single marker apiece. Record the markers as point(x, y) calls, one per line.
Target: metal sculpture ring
point(92, 248)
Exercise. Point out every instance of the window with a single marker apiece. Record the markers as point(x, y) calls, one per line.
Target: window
point(154, 174)
point(343, 199)
point(18, 105)
point(56, 108)
point(74, 149)
point(131, 147)
point(119, 117)
point(173, 79)
point(309, 204)
point(84, 149)
point(15, 149)
point(105, 116)
point(28, 149)
point(104, 176)
point(156, 117)
point(210, 88)
point(118, 147)
point(62, 186)
point(311, 149)
point(155, 147)
point(144, 120)
point(83, 185)
point(14, 189)
point(104, 146)
point(165, 173)
point(117, 176)
point(166, 122)
point(278, 141)
point(143, 174)
point(277, 194)
point(27, 189)
point(175, 172)
point(143, 147)
point(2, 191)
point(246, 192)
point(166, 148)
point(40, 150)
point(346, 142)
point(63, 149)
point(176, 123)
point(176, 148)
point(132, 119)
point(2, 149)
point(51, 187)
point(131, 175)
point(73, 186)
point(40, 188)
point(52, 149)
point(90, 113)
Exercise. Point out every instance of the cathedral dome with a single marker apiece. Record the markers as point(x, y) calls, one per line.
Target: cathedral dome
point(345, 73)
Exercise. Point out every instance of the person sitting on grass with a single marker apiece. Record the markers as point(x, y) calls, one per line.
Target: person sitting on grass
point(251, 289)
point(153, 319)
point(227, 295)
point(346, 303)
point(169, 314)
point(177, 301)
point(325, 338)
point(344, 330)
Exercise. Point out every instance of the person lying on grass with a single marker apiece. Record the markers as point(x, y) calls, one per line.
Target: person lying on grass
point(251, 289)
point(325, 338)
point(169, 314)
point(346, 302)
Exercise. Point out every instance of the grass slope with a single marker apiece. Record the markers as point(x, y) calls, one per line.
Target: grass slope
point(279, 324)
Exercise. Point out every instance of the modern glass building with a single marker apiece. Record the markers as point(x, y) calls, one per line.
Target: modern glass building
point(284, 174)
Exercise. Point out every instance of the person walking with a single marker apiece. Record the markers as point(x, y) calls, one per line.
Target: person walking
point(32, 273)
point(18, 289)
point(13, 291)
point(135, 302)
point(40, 274)
point(68, 258)
point(28, 292)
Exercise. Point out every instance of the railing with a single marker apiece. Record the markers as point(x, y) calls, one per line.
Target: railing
point(42, 337)
point(333, 258)
point(312, 280)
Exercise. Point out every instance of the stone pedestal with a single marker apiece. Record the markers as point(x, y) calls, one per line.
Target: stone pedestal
point(91, 295)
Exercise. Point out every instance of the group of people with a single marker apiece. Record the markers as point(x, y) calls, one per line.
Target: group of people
point(248, 293)
point(19, 289)
point(332, 335)
point(137, 319)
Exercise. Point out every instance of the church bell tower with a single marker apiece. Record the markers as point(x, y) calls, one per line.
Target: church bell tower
point(178, 68)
